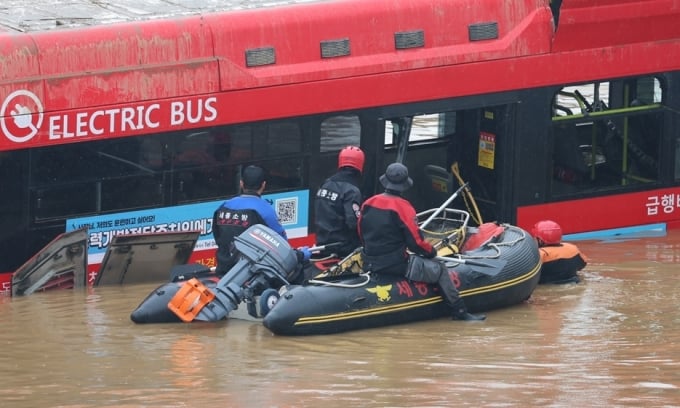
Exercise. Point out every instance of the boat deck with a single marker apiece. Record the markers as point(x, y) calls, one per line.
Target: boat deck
point(42, 15)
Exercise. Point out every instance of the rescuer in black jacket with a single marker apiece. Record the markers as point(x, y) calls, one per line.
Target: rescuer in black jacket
point(337, 205)
point(388, 227)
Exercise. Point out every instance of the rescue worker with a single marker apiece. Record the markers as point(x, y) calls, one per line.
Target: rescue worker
point(337, 205)
point(388, 227)
point(237, 214)
point(560, 261)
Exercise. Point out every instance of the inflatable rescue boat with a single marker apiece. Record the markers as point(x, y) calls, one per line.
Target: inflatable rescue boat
point(493, 266)
point(498, 266)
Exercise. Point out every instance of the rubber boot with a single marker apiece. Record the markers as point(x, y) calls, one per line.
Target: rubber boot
point(451, 296)
point(460, 312)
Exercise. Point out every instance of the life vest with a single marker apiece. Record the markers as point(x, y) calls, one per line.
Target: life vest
point(561, 263)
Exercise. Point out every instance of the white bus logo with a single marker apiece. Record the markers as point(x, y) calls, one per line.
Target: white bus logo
point(24, 129)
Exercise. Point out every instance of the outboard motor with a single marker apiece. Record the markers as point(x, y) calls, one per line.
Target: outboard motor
point(265, 256)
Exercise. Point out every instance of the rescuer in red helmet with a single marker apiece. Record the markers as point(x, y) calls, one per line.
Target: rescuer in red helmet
point(560, 260)
point(547, 233)
point(337, 205)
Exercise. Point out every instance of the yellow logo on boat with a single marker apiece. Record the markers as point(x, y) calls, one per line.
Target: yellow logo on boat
point(383, 292)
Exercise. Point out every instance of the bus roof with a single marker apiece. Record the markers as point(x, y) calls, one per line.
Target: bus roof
point(41, 15)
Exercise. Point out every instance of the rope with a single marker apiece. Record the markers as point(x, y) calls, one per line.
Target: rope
point(496, 246)
point(366, 276)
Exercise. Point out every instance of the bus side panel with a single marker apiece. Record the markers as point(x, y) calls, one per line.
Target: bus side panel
point(609, 212)
point(605, 23)
point(296, 56)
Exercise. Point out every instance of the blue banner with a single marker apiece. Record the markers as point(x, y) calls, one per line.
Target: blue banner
point(292, 208)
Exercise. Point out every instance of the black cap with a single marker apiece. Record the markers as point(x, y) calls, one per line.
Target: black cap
point(253, 177)
point(396, 178)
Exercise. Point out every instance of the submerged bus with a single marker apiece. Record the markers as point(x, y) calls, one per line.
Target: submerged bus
point(564, 110)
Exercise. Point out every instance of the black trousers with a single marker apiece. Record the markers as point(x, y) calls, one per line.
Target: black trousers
point(420, 269)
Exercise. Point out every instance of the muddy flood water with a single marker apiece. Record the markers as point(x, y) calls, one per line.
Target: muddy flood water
point(612, 340)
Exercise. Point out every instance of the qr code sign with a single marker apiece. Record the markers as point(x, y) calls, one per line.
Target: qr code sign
point(287, 210)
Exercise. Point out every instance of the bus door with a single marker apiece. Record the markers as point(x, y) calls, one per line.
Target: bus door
point(419, 142)
point(481, 147)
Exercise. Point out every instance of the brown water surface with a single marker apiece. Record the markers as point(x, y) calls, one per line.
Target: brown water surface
point(610, 341)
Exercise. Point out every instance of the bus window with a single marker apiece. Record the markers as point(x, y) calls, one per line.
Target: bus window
point(255, 141)
point(340, 131)
point(80, 179)
point(284, 174)
point(122, 180)
point(606, 135)
point(196, 149)
point(581, 99)
point(12, 207)
point(206, 162)
point(242, 148)
point(201, 163)
point(280, 138)
point(426, 127)
point(430, 126)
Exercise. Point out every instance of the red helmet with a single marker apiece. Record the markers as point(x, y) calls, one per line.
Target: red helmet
point(547, 232)
point(351, 156)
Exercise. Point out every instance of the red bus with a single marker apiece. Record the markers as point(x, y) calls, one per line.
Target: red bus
point(566, 110)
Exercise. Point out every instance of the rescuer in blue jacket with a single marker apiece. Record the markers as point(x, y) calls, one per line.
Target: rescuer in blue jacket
point(237, 214)
point(388, 228)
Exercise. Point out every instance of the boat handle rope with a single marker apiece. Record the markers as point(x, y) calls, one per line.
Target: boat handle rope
point(496, 247)
point(365, 275)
